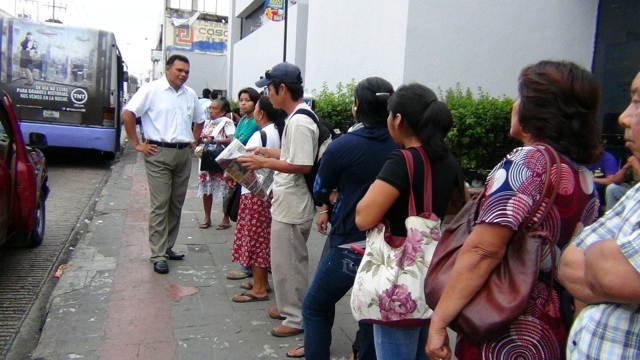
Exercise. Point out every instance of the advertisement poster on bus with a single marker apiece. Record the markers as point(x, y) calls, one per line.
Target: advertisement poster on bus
point(55, 73)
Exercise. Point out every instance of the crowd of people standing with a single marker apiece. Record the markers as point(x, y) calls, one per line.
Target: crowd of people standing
point(363, 180)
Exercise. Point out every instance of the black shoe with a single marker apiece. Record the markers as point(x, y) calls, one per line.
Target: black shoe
point(161, 267)
point(174, 256)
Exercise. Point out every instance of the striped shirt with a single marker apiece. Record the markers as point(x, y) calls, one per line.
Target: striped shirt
point(611, 330)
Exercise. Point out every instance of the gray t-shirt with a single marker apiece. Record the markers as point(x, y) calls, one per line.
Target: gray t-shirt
point(292, 201)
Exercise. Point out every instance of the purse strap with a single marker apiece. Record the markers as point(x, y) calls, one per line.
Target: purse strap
point(544, 149)
point(427, 198)
point(219, 127)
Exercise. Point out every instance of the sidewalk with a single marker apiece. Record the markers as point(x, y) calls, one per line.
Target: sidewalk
point(109, 304)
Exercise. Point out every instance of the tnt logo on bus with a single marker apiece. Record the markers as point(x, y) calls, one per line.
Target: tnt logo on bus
point(79, 96)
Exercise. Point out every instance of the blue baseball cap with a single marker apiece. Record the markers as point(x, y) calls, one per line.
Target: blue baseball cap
point(283, 72)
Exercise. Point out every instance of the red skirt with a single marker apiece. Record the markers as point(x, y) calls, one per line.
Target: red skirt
point(252, 239)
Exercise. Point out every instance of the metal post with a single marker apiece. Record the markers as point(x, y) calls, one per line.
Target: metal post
point(286, 19)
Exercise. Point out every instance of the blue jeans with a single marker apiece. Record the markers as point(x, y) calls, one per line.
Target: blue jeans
point(246, 270)
point(400, 343)
point(333, 279)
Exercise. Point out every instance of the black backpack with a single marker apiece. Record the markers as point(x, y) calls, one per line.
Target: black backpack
point(324, 136)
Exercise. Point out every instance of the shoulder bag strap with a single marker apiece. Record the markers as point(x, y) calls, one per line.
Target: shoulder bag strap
point(263, 138)
point(409, 159)
point(544, 149)
point(428, 198)
point(311, 115)
point(218, 128)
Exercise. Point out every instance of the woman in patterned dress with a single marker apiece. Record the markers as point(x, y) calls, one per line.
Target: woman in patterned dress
point(219, 130)
point(557, 106)
point(252, 239)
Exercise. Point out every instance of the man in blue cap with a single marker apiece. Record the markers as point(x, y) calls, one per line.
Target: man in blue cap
point(292, 208)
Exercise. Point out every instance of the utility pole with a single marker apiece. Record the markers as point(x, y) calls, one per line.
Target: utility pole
point(54, 7)
point(31, 7)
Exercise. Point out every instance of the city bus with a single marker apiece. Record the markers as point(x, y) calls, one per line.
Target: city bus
point(65, 82)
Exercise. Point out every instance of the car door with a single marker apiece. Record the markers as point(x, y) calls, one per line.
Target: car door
point(6, 197)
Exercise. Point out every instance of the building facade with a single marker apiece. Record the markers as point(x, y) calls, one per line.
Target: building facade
point(438, 43)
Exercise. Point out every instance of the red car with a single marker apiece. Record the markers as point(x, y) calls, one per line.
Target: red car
point(23, 181)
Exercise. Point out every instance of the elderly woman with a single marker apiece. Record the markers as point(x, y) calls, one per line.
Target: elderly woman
point(557, 106)
point(220, 130)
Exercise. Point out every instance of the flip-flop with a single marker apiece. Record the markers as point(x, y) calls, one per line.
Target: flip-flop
point(252, 298)
point(294, 352)
point(223, 226)
point(205, 225)
point(249, 286)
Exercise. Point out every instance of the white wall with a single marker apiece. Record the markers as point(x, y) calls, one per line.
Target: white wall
point(439, 43)
point(486, 43)
point(262, 49)
point(355, 39)
point(206, 71)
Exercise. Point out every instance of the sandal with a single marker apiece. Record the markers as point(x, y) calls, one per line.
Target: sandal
point(295, 353)
point(205, 225)
point(252, 298)
point(223, 226)
point(249, 286)
point(236, 274)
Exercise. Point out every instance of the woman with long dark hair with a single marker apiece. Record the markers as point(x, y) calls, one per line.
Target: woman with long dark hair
point(350, 164)
point(417, 119)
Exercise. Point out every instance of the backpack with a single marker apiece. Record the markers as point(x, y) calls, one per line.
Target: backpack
point(324, 139)
point(334, 131)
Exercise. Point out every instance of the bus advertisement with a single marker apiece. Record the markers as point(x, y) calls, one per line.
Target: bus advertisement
point(65, 82)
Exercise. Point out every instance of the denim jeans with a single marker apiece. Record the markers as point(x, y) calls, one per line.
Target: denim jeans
point(246, 270)
point(400, 343)
point(333, 279)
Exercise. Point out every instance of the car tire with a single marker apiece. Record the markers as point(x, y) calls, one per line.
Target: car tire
point(37, 234)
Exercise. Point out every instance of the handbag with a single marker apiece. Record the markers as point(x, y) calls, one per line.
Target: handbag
point(211, 151)
point(233, 206)
point(505, 294)
point(209, 154)
point(388, 288)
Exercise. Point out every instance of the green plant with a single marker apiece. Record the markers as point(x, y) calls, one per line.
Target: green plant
point(335, 106)
point(480, 137)
point(234, 104)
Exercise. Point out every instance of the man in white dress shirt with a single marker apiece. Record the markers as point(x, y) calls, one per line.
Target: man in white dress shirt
point(168, 108)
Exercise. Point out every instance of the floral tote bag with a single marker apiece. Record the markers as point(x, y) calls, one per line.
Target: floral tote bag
point(389, 284)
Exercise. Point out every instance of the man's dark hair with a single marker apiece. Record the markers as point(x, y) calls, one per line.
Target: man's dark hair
point(175, 57)
point(206, 92)
point(215, 94)
point(296, 90)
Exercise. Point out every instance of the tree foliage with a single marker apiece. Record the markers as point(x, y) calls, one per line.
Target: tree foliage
point(335, 106)
point(480, 137)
